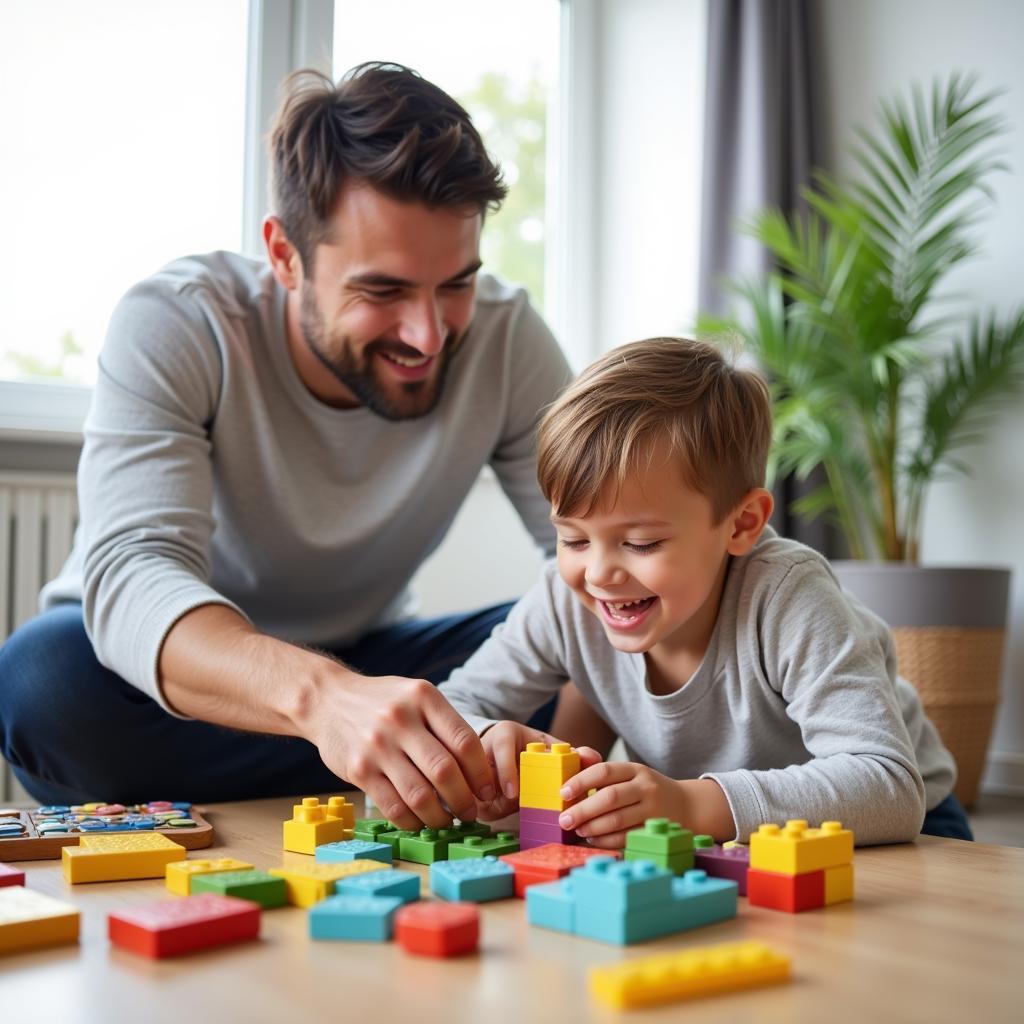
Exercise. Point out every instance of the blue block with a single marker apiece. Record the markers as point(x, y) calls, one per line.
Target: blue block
point(622, 885)
point(703, 899)
point(621, 927)
point(550, 905)
point(358, 918)
point(353, 849)
point(402, 884)
point(475, 880)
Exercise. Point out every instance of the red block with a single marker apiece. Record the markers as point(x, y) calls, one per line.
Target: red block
point(549, 863)
point(173, 927)
point(791, 893)
point(11, 876)
point(438, 929)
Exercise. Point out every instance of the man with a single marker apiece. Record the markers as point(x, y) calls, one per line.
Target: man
point(271, 452)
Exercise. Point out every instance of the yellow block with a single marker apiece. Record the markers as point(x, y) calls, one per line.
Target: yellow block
point(119, 857)
point(691, 972)
point(839, 884)
point(797, 849)
point(179, 874)
point(339, 807)
point(315, 882)
point(543, 771)
point(311, 826)
point(28, 920)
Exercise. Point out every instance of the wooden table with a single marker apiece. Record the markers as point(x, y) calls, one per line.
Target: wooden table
point(936, 934)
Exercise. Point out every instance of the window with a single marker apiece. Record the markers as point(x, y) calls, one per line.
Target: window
point(123, 125)
point(501, 64)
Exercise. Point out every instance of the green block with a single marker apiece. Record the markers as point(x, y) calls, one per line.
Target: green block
point(393, 839)
point(677, 863)
point(703, 842)
point(267, 890)
point(426, 846)
point(370, 829)
point(660, 836)
point(470, 828)
point(478, 846)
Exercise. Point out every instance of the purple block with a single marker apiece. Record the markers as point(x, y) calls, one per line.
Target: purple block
point(541, 815)
point(532, 834)
point(718, 863)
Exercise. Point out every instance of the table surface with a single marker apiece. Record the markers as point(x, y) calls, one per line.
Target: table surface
point(936, 933)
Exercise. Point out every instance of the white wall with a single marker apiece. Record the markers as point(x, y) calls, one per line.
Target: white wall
point(873, 48)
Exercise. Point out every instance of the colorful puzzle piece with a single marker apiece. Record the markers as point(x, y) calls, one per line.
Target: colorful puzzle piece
point(115, 858)
point(179, 873)
point(309, 884)
point(438, 929)
point(30, 920)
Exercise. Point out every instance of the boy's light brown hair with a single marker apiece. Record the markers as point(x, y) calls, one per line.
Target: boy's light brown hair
point(715, 417)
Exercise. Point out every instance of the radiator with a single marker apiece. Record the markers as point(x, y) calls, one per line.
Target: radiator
point(38, 514)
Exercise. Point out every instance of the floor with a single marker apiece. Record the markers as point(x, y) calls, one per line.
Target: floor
point(998, 819)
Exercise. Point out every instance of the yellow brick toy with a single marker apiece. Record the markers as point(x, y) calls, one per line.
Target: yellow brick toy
point(339, 807)
point(838, 884)
point(797, 849)
point(542, 773)
point(311, 825)
point(119, 857)
point(691, 972)
point(180, 873)
point(314, 882)
point(28, 920)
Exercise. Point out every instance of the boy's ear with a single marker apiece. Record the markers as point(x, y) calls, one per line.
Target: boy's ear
point(749, 519)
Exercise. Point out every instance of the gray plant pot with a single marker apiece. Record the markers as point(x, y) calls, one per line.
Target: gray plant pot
point(949, 625)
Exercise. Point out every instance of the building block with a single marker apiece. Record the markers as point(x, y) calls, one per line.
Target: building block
point(621, 885)
point(465, 829)
point(179, 873)
point(12, 876)
point(172, 927)
point(393, 838)
point(539, 826)
point(30, 920)
point(797, 849)
point(119, 857)
point(543, 771)
point(474, 847)
point(838, 884)
point(269, 891)
point(704, 900)
point(706, 970)
point(659, 836)
point(552, 905)
point(368, 829)
point(311, 825)
point(340, 808)
point(477, 880)
point(354, 849)
point(356, 918)
point(726, 861)
point(548, 863)
point(791, 893)
point(426, 846)
point(405, 885)
point(438, 929)
point(677, 863)
point(313, 882)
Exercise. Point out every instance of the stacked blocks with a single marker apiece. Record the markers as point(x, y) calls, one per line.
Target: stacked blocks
point(354, 917)
point(663, 842)
point(268, 890)
point(120, 856)
point(730, 860)
point(542, 773)
point(629, 902)
point(314, 882)
point(180, 873)
point(405, 885)
point(549, 863)
point(800, 868)
point(354, 849)
point(172, 927)
point(477, 846)
point(30, 920)
point(314, 823)
point(688, 973)
point(474, 880)
point(438, 929)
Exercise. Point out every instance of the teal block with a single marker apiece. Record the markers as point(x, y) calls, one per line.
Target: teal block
point(621, 885)
point(479, 846)
point(353, 849)
point(267, 890)
point(704, 900)
point(477, 880)
point(356, 918)
point(551, 905)
point(405, 885)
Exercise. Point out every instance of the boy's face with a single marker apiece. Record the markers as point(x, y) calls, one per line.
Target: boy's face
point(650, 565)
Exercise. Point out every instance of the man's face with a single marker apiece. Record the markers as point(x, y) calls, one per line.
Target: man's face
point(390, 296)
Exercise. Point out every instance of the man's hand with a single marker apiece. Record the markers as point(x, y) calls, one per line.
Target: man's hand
point(503, 743)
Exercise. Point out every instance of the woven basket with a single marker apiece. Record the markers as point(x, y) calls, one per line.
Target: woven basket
point(956, 672)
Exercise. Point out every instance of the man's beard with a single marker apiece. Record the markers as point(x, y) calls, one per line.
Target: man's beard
point(358, 371)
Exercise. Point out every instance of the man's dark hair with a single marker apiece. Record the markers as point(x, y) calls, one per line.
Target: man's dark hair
point(383, 125)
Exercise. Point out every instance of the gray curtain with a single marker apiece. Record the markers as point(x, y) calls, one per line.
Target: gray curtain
point(762, 137)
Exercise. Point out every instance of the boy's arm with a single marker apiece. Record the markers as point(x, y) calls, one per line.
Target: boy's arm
point(833, 665)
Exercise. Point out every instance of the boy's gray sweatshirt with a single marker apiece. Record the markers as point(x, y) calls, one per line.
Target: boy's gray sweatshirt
point(796, 709)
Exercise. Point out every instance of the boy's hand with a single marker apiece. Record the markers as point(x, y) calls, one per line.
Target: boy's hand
point(503, 744)
point(627, 794)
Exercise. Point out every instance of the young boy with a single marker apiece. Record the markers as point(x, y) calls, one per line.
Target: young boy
point(746, 686)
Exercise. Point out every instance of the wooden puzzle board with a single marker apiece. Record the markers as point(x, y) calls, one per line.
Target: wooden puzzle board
point(33, 845)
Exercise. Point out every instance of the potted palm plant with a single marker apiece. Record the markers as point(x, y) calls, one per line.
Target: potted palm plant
point(881, 383)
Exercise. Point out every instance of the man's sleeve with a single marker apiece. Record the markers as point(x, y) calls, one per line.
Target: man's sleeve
point(835, 670)
point(145, 480)
point(518, 668)
point(537, 373)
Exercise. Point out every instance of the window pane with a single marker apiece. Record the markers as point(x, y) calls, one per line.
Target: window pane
point(123, 136)
point(501, 64)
